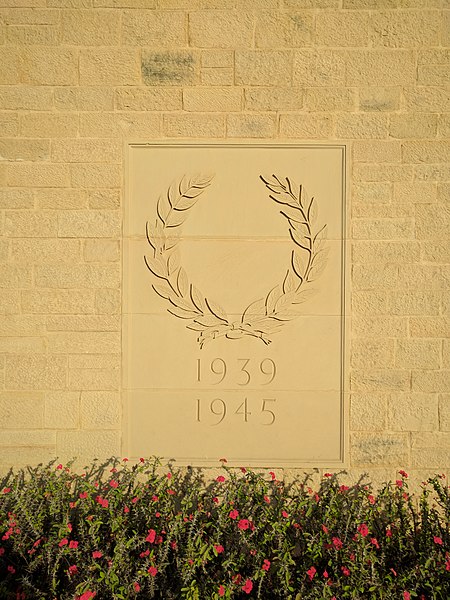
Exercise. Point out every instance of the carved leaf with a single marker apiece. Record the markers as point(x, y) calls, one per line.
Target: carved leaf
point(156, 266)
point(271, 299)
point(303, 295)
point(163, 208)
point(174, 261)
point(300, 261)
point(320, 238)
point(317, 268)
point(216, 309)
point(163, 289)
point(290, 282)
point(176, 219)
point(284, 302)
point(208, 320)
point(197, 299)
point(182, 282)
point(181, 313)
point(312, 211)
point(255, 309)
point(234, 334)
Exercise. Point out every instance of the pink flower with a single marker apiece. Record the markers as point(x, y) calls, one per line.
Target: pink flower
point(343, 488)
point(371, 499)
point(151, 536)
point(248, 586)
point(114, 484)
point(388, 533)
point(220, 479)
point(171, 492)
point(97, 554)
point(152, 571)
point(363, 529)
point(218, 548)
point(215, 500)
point(406, 595)
point(337, 543)
point(11, 569)
point(83, 495)
point(155, 498)
point(87, 595)
point(137, 587)
point(134, 500)
point(311, 572)
point(447, 564)
point(266, 499)
point(63, 542)
point(59, 467)
point(374, 541)
point(72, 569)
point(126, 510)
point(328, 474)
point(221, 591)
point(325, 574)
point(233, 514)
point(124, 459)
point(273, 476)
point(244, 524)
point(73, 544)
point(403, 473)
point(169, 475)
point(393, 571)
point(266, 565)
point(284, 514)
point(324, 529)
point(6, 490)
point(69, 526)
point(345, 571)
point(144, 554)
point(437, 540)
point(399, 483)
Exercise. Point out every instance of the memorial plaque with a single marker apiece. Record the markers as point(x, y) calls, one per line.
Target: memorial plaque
point(234, 303)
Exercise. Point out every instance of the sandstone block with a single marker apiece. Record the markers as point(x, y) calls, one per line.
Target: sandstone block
point(142, 99)
point(78, 151)
point(427, 99)
point(433, 221)
point(10, 66)
point(27, 438)
point(368, 412)
point(316, 68)
point(101, 250)
point(22, 325)
point(430, 450)
point(263, 67)
point(443, 192)
point(79, 342)
point(366, 252)
point(392, 173)
point(94, 361)
point(77, 276)
point(376, 151)
point(379, 99)
point(306, 126)
point(28, 150)
point(19, 223)
point(89, 224)
point(416, 302)
point(29, 35)
point(311, 3)
point(444, 126)
point(57, 301)
point(255, 4)
point(13, 276)
point(378, 448)
point(437, 252)
point(413, 412)
point(342, 28)
point(109, 66)
point(444, 412)
point(430, 381)
point(221, 29)
point(376, 192)
point(403, 29)
point(419, 192)
point(355, 126)
point(97, 444)
point(100, 410)
point(86, 322)
point(384, 277)
point(108, 302)
point(418, 354)
point(446, 354)
point(85, 98)
point(60, 198)
point(109, 125)
point(94, 379)
point(429, 151)
point(432, 75)
point(379, 67)
point(21, 409)
point(88, 175)
point(383, 229)
point(49, 125)
point(370, 380)
point(284, 29)
point(215, 59)
point(62, 410)
point(104, 199)
point(372, 353)
point(44, 251)
point(154, 28)
point(417, 276)
point(273, 98)
point(34, 371)
point(16, 199)
point(250, 126)
point(9, 302)
point(380, 326)
point(436, 172)
point(26, 98)
point(429, 327)
point(22, 345)
point(122, 3)
point(169, 67)
point(369, 303)
point(49, 65)
point(90, 27)
point(224, 99)
point(329, 99)
point(215, 76)
point(9, 123)
point(194, 125)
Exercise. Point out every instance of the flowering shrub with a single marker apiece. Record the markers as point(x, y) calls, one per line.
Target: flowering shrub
point(121, 531)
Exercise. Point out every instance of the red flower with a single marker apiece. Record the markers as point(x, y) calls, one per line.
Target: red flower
point(171, 492)
point(447, 564)
point(155, 498)
point(11, 569)
point(337, 543)
point(87, 595)
point(215, 500)
point(324, 529)
point(266, 565)
point(284, 514)
point(363, 529)
point(83, 495)
point(371, 499)
point(151, 536)
point(144, 554)
point(220, 479)
point(248, 586)
point(73, 544)
point(169, 475)
point(173, 545)
point(393, 571)
point(403, 473)
point(406, 595)
point(221, 591)
point(345, 571)
point(72, 569)
point(437, 540)
point(388, 532)
point(126, 510)
point(63, 542)
point(233, 514)
point(325, 574)
point(124, 459)
point(328, 474)
point(152, 571)
point(243, 470)
point(374, 541)
point(69, 526)
point(6, 490)
point(266, 499)
point(142, 459)
point(59, 467)
point(137, 587)
point(272, 474)
point(218, 548)
point(134, 500)
point(97, 554)
point(399, 483)
point(244, 524)
point(114, 484)
point(311, 572)
point(2, 551)
point(343, 488)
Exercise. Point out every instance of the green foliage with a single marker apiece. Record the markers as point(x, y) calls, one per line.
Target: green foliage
point(122, 531)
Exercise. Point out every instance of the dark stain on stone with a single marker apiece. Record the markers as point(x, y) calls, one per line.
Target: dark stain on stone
point(169, 68)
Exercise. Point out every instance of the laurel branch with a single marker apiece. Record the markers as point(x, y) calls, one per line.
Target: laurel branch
point(265, 316)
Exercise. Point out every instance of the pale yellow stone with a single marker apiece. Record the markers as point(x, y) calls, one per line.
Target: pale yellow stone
point(417, 276)
point(224, 99)
point(22, 16)
point(368, 412)
point(284, 29)
point(26, 98)
point(100, 410)
point(62, 410)
point(378, 192)
point(89, 444)
point(263, 67)
point(311, 3)
point(90, 28)
point(366, 252)
point(418, 354)
point(157, 29)
point(317, 68)
point(250, 126)
point(10, 66)
point(372, 353)
point(432, 74)
point(377, 210)
point(382, 276)
point(384, 449)
point(329, 99)
point(426, 151)
point(94, 379)
point(108, 302)
point(95, 361)
point(256, 4)
point(419, 192)
point(436, 172)
point(430, 381)
point(437, 252)
point(379, 99)
point(31, 372)
point(444, 412)
point(24, 150)
point(16, 198)
point(170, 67)
point(379, 229)
point(22, 345)
point(88, 175)
point(221, 29)
point(306, 126)
point(430, 450)
point(379, 67)
point(60, 198)
point(430, 327)
point(433, 221)
point(27, 438)
point(29, 35)
point(85, 322)
point(174, 4)
point(50, 65)
point(416, 302)
point(379, 326)
point(4, 250)
point(14, 276)
point(371, 380)
point(194, 125)
point(342, 28)
point(9, 302)
point(84, 98)
point(364, 4)
point(44, 251)
point(107, 151)
point(19, 223)
point(369, 303)
point(77, 276)
point(122, 3)
point(427, 99)
point(57, 301)
point(77, 342)
point(22, 325)
point(392, 173)
point(355, 126)
point(114, 66)
point(273, 98)
point(217, 76)
point(104, 199)
point(444, 126)
point(403, 29)
point(217, 58)
point(109, 125)
point(151, 99)
point(443, 192)
point(376, 151)
point(101, 250)
point(9, 123)
point(89, 224)
point(49, 125)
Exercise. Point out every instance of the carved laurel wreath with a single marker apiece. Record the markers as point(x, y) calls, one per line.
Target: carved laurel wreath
point(265, 316)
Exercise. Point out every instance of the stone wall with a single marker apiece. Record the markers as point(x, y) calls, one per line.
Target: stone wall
point(80, 77)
